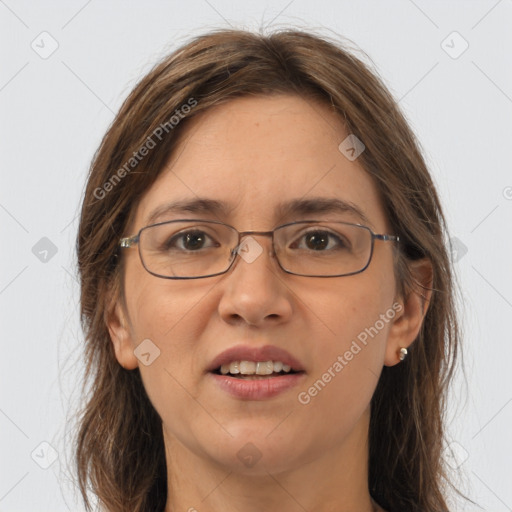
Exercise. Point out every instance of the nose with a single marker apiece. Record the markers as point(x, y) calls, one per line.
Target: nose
point(254, 289)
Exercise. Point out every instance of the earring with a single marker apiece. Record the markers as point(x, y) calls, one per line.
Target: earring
point(402, 354)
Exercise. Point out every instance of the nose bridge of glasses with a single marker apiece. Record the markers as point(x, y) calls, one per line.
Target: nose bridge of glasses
point(243, 234)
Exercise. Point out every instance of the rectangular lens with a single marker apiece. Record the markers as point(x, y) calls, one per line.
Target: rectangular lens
point(186, 249)
point(324, 248)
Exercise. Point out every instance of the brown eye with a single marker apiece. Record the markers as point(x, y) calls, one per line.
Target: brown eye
point(189, 241)
point(321, 240)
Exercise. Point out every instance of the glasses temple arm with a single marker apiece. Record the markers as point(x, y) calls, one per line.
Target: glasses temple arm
point(128, 241)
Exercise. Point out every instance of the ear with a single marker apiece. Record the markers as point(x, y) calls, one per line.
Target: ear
point(411, 310)
point(120, 334)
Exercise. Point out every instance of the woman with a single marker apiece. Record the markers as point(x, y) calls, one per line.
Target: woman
point(265, 290)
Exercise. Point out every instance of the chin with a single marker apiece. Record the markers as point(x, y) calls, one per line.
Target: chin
point(257, 449)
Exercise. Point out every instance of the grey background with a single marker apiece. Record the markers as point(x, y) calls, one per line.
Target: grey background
point(54, 111)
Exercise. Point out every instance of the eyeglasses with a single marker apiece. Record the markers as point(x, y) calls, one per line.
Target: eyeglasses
point(192, 249)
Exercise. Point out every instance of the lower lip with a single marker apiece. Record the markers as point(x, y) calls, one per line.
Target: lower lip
point(259, 389)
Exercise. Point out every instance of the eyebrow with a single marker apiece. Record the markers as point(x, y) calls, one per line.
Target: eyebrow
point(289, 209)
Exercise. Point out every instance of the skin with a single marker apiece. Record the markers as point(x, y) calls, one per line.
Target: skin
point(254, 153)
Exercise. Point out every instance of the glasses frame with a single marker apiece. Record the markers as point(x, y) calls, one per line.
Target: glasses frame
point(130, 241)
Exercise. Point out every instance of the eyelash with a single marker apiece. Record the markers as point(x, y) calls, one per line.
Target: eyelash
point(180, 236)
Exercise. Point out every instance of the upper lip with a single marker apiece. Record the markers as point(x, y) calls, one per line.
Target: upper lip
point(251, 353)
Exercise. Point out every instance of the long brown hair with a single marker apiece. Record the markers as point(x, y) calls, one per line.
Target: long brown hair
point(119, 442)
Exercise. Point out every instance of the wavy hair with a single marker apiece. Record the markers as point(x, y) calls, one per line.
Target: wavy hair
point(119, 447)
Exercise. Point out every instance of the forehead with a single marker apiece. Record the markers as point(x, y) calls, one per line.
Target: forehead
point(258, 156)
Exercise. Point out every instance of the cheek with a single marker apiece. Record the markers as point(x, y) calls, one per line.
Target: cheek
point(166, 313)
point(171, 315)
point(161, 309)
point(349, 351)
point(353, 309)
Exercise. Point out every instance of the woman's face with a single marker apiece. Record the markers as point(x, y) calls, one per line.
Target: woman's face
point(254, 155)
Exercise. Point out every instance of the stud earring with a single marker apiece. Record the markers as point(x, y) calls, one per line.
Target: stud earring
point(402, 354)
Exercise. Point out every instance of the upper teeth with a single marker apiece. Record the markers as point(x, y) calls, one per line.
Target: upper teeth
point(252, 367)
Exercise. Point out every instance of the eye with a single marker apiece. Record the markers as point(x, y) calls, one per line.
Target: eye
point(319, 240)
point(191, 240)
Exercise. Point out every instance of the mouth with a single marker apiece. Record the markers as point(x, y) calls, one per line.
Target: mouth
point(255, 370)
point(248, 372)
point(257, 387)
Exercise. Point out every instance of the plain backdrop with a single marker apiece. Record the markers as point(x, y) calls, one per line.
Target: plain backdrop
point(66, 66)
